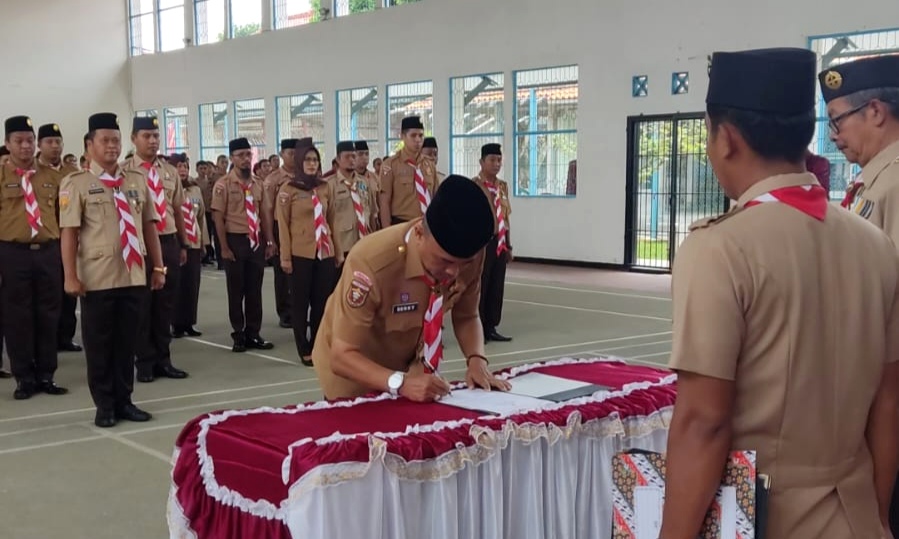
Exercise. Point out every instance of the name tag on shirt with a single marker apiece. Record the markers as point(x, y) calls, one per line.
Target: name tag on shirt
point(97, 191)
point(401, 308)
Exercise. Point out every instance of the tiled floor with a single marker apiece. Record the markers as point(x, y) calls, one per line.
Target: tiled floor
point(60, 477)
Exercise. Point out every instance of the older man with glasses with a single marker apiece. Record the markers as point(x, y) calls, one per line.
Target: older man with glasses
point(863, 104)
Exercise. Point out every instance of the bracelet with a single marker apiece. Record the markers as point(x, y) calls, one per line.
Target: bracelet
point(468, 360)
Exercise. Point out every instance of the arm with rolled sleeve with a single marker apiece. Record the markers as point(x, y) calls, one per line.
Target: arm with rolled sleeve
point(709, 329)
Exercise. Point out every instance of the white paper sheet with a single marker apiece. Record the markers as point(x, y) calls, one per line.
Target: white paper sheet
point(648, 501)
point(498, 402)
point(728, 500)
point(535, 384)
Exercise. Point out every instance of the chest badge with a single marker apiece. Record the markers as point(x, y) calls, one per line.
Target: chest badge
point(401, 308)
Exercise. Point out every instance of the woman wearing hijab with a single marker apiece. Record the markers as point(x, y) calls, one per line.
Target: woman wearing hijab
point(306, 246)
point(194, 211)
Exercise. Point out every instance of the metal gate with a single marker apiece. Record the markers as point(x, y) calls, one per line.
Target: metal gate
point(670, 184)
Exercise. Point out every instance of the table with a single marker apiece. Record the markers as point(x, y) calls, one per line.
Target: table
point(380, 466)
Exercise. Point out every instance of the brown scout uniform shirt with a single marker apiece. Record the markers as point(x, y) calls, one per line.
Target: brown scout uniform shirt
point(343, 215)
point(878, 199)
point(374, 185)
point(87, 204)
point(379, 306)
point(174, 193)
point(398, 181)
point(228, 198)
point(194, 194)
point(57, 172)
point(296, 221)
point(270, 187)
point(504, 201)
point(793, 311)
point(13, 217)
point(206, 184)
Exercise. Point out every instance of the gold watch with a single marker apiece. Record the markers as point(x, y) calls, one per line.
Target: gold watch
point(163, 270)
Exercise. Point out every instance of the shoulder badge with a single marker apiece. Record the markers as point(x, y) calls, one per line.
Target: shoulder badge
point(709, 221)
point(863, 207)
point(360, 288)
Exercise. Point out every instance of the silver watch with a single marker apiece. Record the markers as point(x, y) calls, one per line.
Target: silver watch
point(395, 382)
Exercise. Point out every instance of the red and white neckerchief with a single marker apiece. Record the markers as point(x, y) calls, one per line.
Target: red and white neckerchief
point(809, 199)
point(501, 228)
point(322, 243)
point(127, 228)
point(357, 207)
point(249, 204)
point(31, 205)
point(190, 221)
point(432, 332)
point(421, 188)
point(851, 191)
point(157, 191)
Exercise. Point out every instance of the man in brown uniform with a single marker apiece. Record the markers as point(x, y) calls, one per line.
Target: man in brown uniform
point(863, 104)
point(371, 179)
point(154, 355)
point(206, 182)
point(271, 185)
point(499, 250)
point(49, 140)
point(408, 179)
point(29, 263)
point(350, 210)
point(236, 198)
point(786, 323)
point(430, 150)
point(387, 310)
point(107, 217)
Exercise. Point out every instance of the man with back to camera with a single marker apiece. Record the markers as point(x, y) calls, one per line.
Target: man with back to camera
point(863, 104)
point(382, 328)
point(753, 291)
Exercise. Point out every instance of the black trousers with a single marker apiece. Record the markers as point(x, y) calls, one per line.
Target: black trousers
point(216, 244)
point(312, 281)
point(155, 334)
point(493, 287)
point(282, 286)
point(109, 325)
point(894, 510)
point(244, 276)
point(67, 321)
point(31, 298)
point(188, 295)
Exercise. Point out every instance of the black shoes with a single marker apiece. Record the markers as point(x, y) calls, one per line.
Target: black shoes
point(70, 346)
point(259, 343)
point(5, 374)
point(147, 374)
point(493, 335)
point(242, 344)
point(27, 389)
point(106, 418)
point(177, 333)
point(286, 324)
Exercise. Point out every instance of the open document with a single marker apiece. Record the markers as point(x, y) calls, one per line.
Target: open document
point(493, 402)
point(552, 388)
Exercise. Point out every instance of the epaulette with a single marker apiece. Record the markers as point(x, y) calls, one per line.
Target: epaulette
point(710, 221)
point(385, 257)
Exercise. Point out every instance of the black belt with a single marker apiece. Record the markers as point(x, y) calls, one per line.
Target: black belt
point(30, 246)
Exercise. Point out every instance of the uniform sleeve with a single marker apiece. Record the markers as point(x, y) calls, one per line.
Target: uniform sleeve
point(269, 192)
point(357, 300)
point(892, 351)
point(387, 174)
point(282, 216)
point(219, 197)
point(890, 209)
point(177, 193)
point(149, 214)
point(467, 306)
point(201, 220)
point(71, 204)
point(707, 294)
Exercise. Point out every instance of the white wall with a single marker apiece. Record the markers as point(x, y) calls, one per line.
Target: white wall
point(64, 60)
point(611, 40)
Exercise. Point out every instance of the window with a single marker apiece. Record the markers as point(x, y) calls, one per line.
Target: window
point(288, 13)
point(301, 116)
point(391, 3)
point(348, 7)
point(545, 131)
point(357, 117)
point(210, 20)
point(831, 51)
point(249, 122)
point(171, 25)
point(477, 119)
point(143, 27)
point(175, 132)
point(408, 99)
point(246, 17)
point(214, 135)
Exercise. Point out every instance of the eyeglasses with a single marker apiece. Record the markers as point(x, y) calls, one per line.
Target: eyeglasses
point(834, 123)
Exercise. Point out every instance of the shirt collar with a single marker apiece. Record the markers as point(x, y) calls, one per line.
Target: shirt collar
point(776, 182)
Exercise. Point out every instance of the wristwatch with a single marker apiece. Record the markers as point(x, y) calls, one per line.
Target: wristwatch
point(163, 270)
point(395, 382)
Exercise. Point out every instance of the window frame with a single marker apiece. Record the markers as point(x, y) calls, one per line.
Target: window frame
point(501, 136)
point(387, 139)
